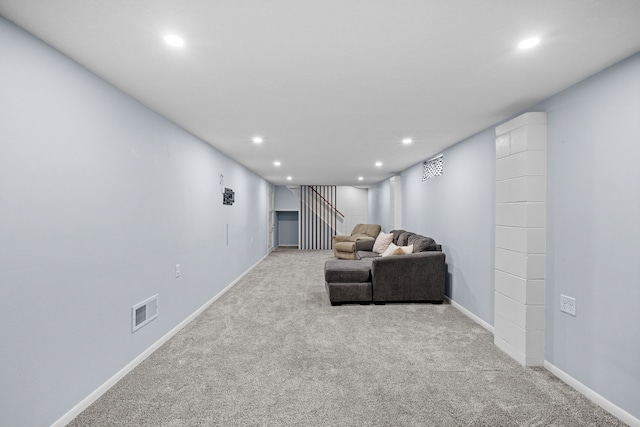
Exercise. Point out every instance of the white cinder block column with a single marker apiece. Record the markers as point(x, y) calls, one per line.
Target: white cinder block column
point(521, 170)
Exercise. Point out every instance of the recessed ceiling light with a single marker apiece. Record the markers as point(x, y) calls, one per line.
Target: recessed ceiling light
point(257, 139)
point(528, 43)
point(360, 178)
point(378, 164)
point(407, 141)
point(174, 40)
point(289, 178)
point(277, 163)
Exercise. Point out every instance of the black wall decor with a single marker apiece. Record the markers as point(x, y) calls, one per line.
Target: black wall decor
point(228, 197)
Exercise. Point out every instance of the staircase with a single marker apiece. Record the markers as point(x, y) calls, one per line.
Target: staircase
point(318, 216)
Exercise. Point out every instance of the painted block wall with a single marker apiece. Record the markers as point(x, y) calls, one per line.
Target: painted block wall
point(99, 199)
point(285, 199)
point(593, 230)
point(457, 210)
point(379, 202)
point(353, 203)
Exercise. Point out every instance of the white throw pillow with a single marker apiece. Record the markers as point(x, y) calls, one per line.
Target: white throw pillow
point(382, 242)
point(390, 250)
point(404, 250)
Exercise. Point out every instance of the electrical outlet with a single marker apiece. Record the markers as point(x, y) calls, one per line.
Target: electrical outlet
point(568, 304)
point(178, 274)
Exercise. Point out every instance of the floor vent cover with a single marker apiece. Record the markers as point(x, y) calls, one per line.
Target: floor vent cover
point(144, 312)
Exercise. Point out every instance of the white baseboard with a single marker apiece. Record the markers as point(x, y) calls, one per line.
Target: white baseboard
point(608, 406)
point(470, 315)
point(87, 401)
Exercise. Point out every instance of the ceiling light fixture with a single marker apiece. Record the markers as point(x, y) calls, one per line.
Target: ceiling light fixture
point(407, 141)
point(174, 40)
point(528, 43)
point(378, 164)
point(277, 163)
point(257, 139)
point(360, 178)
point(289, 178)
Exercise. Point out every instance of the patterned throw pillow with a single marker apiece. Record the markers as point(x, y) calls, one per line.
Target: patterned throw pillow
point(382, 242)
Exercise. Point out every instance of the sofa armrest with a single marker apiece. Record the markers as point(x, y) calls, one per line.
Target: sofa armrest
point(365, 244)
point(414, 277)
point(341, 238)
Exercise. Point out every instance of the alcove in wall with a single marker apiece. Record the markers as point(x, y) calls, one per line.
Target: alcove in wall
point(287, 229)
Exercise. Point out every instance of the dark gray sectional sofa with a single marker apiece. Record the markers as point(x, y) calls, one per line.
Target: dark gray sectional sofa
point(416, 277)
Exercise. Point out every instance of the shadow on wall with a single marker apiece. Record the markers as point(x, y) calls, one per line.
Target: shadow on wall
point(455, 281)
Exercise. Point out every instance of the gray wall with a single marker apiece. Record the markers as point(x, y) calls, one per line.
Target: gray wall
point(457, 210)
point(593, 216)
point(285, 199)
point(99, 199)
point(288, 228)
point(379, 199)
point(352, 202)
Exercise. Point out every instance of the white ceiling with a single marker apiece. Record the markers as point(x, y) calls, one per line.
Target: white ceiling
point(334, 85)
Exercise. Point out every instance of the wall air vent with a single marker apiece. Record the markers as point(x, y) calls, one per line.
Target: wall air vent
point(432, 168)
point(144, 312)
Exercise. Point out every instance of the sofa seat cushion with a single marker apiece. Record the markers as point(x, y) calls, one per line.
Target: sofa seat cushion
point(364, 244)
point(355, 237)
point(367, 254)
point(347, 271)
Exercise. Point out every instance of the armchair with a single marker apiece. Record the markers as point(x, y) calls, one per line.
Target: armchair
point(362, 238)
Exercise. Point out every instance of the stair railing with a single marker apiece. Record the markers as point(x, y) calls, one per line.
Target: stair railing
point(318, 216)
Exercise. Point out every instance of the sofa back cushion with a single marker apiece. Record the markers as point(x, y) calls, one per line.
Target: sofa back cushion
point(422, 243)
point(396, 234)
point(403, 239)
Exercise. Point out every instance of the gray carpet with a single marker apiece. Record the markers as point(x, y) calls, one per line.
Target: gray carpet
point(273, 352)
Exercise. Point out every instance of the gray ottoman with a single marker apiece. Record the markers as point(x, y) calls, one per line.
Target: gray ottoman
point(348, 281)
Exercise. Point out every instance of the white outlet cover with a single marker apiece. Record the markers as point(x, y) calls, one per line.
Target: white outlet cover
point(568, 304)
